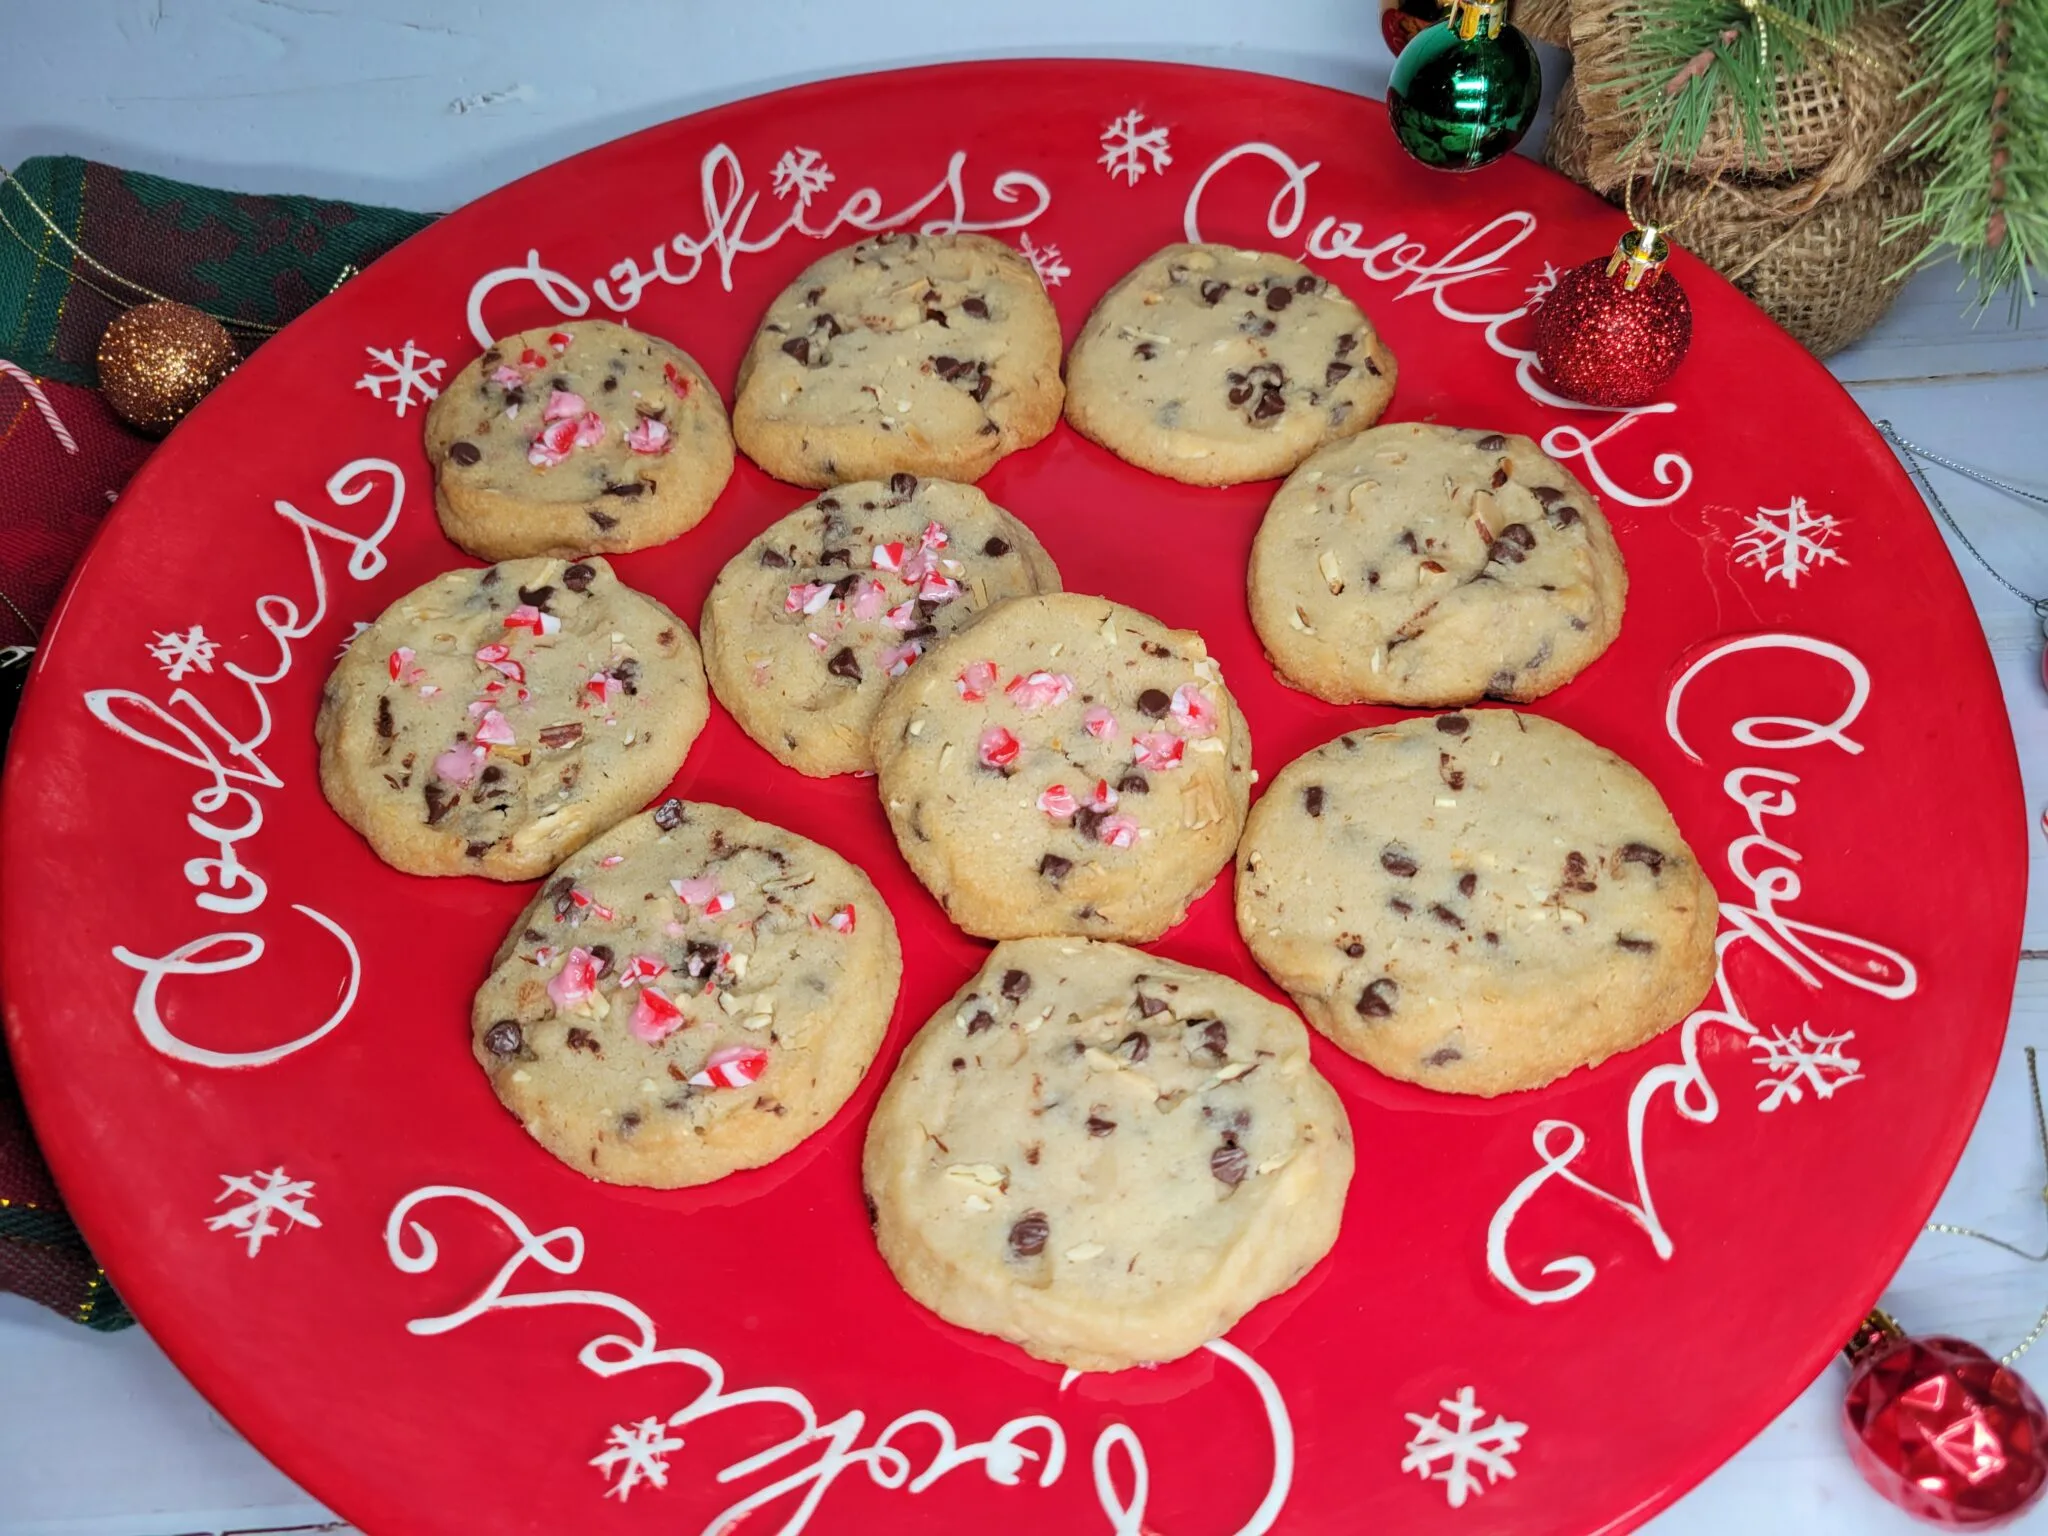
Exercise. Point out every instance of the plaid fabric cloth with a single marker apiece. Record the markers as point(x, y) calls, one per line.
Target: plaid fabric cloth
point(64, 457)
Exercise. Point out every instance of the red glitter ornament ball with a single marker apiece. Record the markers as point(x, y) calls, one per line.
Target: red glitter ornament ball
point(1610, 333)
point(1943, 1430)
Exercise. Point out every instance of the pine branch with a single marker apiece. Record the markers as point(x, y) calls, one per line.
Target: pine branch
point(1688, 59)
point(1983, 122)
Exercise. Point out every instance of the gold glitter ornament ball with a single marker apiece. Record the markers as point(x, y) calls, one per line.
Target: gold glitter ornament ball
point(159, 360)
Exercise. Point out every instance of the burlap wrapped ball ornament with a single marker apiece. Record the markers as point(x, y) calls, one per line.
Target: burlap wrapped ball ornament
point(159, 360)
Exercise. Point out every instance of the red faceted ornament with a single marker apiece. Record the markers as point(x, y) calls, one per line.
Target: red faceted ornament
point(1611, 332)
point(1942, 1429)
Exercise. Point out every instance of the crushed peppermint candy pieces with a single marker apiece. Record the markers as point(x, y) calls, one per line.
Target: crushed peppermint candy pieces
point(495, 730)
point(459, 765)
point(1099, 723)
point(1157, 750)
point(703, 891)
point(998, 748)
point(732, 1066)
point(649, 436)
point(526, 616)
point(641, 968)
point(655, 1017)
point(976, 680)
point(1039, 690)
point(1194, 711)
point(1058, 802)
point(575, 983)
point(807, 597)
point(678, 381)
point(1118, 831)
point(887, 557)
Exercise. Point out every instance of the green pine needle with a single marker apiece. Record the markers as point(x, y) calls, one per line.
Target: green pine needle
point(1961, 127)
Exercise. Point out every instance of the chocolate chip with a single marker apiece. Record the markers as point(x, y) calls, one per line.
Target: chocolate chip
point(938, 315)
point(1643, 853)
point(1305, 284)
point(1513, 545)
point(1546, 495)
point(577, 578)
point(1407, 541)
point(604, 520)
point(555, 737)
point(609, 385)
point(1088, 822)
point(488, 576)
point(812, 295)
point(844, 664)
point(464, 453)
point(1133, 783)
point(902, 486)
point(1635, 946)
point(1493, 442)
point(1444, 914)
point(1395, 862)
point(975, 307)
point(1028, 1234)
point(1213, 291)
point(1491, 937)
point(1312, 799)
point(1214, 1045)
point(1137, 1045)
point(1500, 477)
point(1377, 1000)
point(505, 1038)
point(536, 597)
point(386, 727)
point(1562, 517)
point(478, 850)
point(1016, 985)
point(1372, 367)
point(1055, 868)
point(1335, 372)
point(583, 1040)
point(623, 488)
point(669, 815)
point(1453, 725)
point(996, 548)
point(1346, 345)
point(628, 671)
point(959, 1063)
point(1097, 1126)
point(982, 1019)
point(439, 801)
point(837, 557)
point(1355, 947)
point(1575, 872)
point(1467, 883)
point(1153, 704)
point(774, 559)
point(1144, 351)
point(1279, 298)
point(1443, 1056)
point(602, 954)
point(1149, 1007)
point(799, 347)
point(1453, 777)
point(1230, 1162)
point(1271, 402)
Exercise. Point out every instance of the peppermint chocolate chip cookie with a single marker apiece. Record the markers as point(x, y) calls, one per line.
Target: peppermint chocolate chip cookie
point(569, 439)
point(694, 993)
point(935, 354)
point(1416, 564)
point(1064, 765)
point(1475, 902)
point(493, 721)
point(807, 625)
point(1104, 1157)
point(1213, 366)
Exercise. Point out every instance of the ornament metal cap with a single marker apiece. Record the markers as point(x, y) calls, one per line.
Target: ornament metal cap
point(1874, 1331)
point(1468, 17)
point(1642, 252)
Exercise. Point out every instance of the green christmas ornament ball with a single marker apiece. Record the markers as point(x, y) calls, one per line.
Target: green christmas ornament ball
point(1464, 92)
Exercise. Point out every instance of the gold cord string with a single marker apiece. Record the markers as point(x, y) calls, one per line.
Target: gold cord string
point(8, 179)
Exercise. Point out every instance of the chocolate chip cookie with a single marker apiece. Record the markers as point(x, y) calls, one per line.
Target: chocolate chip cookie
point(1213, 366)
point(577, 438)
point(1425, 565)
point(694, 993)
point(1104, 1157)
point(493, 721)
point(1064, 765)
point(933, 354)
point(807, 625)
point(1475, 902)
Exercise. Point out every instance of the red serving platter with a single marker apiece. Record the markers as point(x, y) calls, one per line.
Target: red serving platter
point(245, 1041)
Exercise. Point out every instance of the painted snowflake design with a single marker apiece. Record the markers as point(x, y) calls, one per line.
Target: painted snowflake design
point(354, 629)
point(412, 376)
point(1462, 1446)
point(1045, 261)
point(1800, 1060)
point(1539, 290)
point(1129, 149)
point(1786, 543)
point(801, 172)
point(270, 1197)
point(181, 651)
point(636, 1454)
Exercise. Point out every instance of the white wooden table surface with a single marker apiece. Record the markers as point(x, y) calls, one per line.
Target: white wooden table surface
point(429, 103)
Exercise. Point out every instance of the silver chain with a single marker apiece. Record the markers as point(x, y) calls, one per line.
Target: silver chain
point(1916, 459)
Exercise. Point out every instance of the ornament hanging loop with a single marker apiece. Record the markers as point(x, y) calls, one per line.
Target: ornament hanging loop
point(1468, 18)
point(1639, 256)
